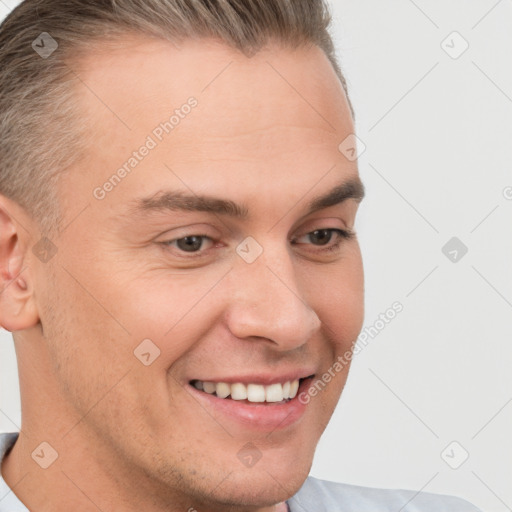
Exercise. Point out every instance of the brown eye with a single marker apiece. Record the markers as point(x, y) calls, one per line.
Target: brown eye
point(193, 244)
point(323, 236)
point(190, 243)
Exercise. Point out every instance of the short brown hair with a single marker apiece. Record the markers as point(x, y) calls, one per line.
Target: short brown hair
point(40, 132)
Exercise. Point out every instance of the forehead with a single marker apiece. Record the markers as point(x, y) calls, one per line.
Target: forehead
point(139, 79)
point(278, 115)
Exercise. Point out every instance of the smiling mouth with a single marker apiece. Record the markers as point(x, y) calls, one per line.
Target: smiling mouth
point(253, 393)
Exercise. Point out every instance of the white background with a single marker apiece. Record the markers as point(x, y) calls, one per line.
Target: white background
point(438, 137)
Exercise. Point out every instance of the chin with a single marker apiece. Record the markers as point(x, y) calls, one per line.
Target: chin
point(258, 488)
point(224, 483)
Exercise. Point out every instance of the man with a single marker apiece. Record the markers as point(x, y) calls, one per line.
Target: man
point(178, 258)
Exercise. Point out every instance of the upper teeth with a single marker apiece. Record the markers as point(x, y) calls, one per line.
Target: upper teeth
point(251, 392)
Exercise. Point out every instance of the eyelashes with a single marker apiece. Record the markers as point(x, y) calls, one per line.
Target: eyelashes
point(192, 246)
point(342, 235)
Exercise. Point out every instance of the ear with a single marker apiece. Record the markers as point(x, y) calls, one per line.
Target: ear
point(18, 309)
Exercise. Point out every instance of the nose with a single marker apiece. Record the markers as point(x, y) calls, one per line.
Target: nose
point(266, 302)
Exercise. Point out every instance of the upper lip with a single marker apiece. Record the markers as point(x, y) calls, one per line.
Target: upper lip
point(265, 379)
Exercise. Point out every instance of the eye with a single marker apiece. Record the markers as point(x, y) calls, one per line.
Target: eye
point(197, 245)
point(189, 244)
point(323, 237)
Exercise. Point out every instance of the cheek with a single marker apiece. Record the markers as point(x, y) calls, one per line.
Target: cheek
point(336, 294)
point(173, 312)
point(97, 363)
point(348, 305)
point(84, 349)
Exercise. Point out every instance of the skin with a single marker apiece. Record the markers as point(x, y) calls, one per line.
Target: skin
point(130, 437)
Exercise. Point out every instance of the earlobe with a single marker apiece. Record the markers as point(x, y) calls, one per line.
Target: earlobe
point(18, 310)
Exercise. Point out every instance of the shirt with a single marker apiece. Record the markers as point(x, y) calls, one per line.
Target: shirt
point(314, 496)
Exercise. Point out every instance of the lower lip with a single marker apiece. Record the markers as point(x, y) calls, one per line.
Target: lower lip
point(258, 416)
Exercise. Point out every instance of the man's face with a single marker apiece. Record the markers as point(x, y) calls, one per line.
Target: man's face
point(267, 298)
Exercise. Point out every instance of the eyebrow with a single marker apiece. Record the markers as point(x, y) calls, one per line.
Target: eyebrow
point(179, 201)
